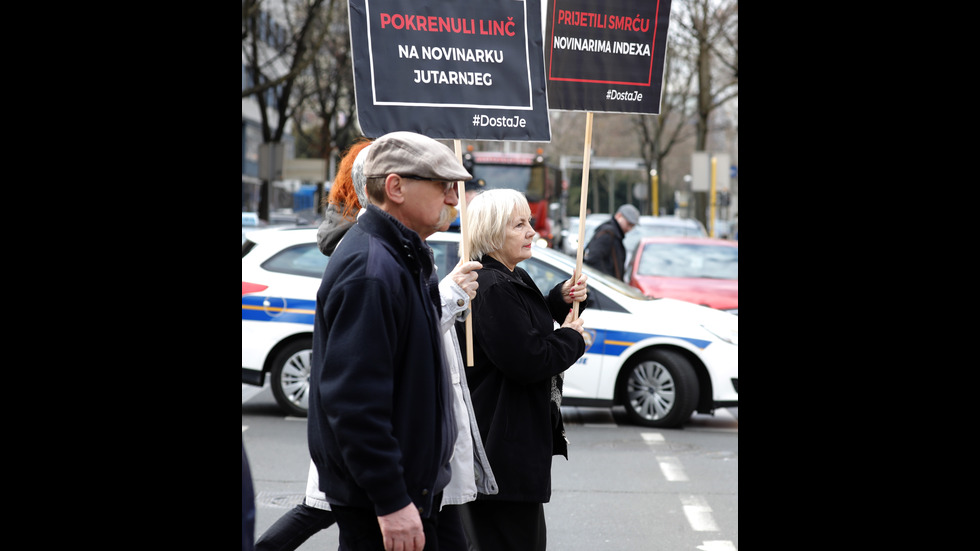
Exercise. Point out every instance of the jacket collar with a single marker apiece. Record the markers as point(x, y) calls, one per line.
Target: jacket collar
point(492, 263)
point(614, 225)
point(408, 243)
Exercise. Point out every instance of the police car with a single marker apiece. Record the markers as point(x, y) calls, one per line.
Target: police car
point(662, 359)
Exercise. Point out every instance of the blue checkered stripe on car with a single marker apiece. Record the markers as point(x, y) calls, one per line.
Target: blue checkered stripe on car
point(613, 343)
point(288, 311)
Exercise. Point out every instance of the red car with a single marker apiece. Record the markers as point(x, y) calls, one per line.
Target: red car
point(699, 270)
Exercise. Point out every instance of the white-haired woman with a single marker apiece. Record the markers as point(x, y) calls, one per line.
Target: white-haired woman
point(515, 382)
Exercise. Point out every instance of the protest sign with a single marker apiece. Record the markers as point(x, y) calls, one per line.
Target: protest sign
point(450, 69)
point(606, 56)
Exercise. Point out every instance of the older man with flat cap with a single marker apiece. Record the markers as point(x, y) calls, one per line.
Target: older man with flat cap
point(606, 252)
point(381, 428)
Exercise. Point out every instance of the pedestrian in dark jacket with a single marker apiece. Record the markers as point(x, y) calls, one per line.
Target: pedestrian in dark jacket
point(381, 427)
point(605, 252)
point(341, 205)
point(340, 209)
point(515, 382)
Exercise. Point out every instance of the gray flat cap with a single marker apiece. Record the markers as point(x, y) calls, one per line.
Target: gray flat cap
point(411, 154)
point(631, 213)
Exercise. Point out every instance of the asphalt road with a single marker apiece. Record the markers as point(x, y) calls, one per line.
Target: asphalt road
point(623, 487)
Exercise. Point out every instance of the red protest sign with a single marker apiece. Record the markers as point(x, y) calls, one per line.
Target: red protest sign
point(606, 56)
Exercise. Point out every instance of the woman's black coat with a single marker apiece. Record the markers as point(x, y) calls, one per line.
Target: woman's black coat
point(517, 351)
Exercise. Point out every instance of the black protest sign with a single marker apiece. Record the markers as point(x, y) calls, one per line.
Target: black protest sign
point(450, 69)
point(606, 55)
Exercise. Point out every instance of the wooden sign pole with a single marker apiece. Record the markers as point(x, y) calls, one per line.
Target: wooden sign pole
point(464, 252)
point(582, 206)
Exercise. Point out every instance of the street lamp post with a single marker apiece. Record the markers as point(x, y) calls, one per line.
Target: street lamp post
point(654, 181)
point(712, 197)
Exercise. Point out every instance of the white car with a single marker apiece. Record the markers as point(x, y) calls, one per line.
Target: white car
point(281, 271)
point(662, 359)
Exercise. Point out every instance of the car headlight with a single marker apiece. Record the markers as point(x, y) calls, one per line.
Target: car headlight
point(723, 329)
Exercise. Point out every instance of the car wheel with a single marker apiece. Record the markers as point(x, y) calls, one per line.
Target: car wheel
point(291, 377)
point(659, 389)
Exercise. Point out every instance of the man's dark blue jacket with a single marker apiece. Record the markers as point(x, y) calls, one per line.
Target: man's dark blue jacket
point(381, 429)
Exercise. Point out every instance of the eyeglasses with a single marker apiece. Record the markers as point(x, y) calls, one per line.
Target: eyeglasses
point(447, 186)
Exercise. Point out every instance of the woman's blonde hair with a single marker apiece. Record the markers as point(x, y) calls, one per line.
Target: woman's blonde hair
point(487, 217)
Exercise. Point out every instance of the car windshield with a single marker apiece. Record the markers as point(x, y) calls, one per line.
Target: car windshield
point(688, 260)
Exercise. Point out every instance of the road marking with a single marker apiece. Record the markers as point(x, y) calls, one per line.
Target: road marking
point(669, 465)
point(718, 545)
point(672, 468)
point(698, 514)
point(652, 437)
point(696, 508)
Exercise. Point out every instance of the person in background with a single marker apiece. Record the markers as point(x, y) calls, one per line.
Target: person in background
point(313, 514)
point(340, 207)
point(605, 252)
point(381, 427)
point(515, 382)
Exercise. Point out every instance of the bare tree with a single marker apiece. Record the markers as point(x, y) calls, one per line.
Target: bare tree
point(326, 122)
point(700, 76)
point(275, 60)
point(658, 134)
point(712, 26)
